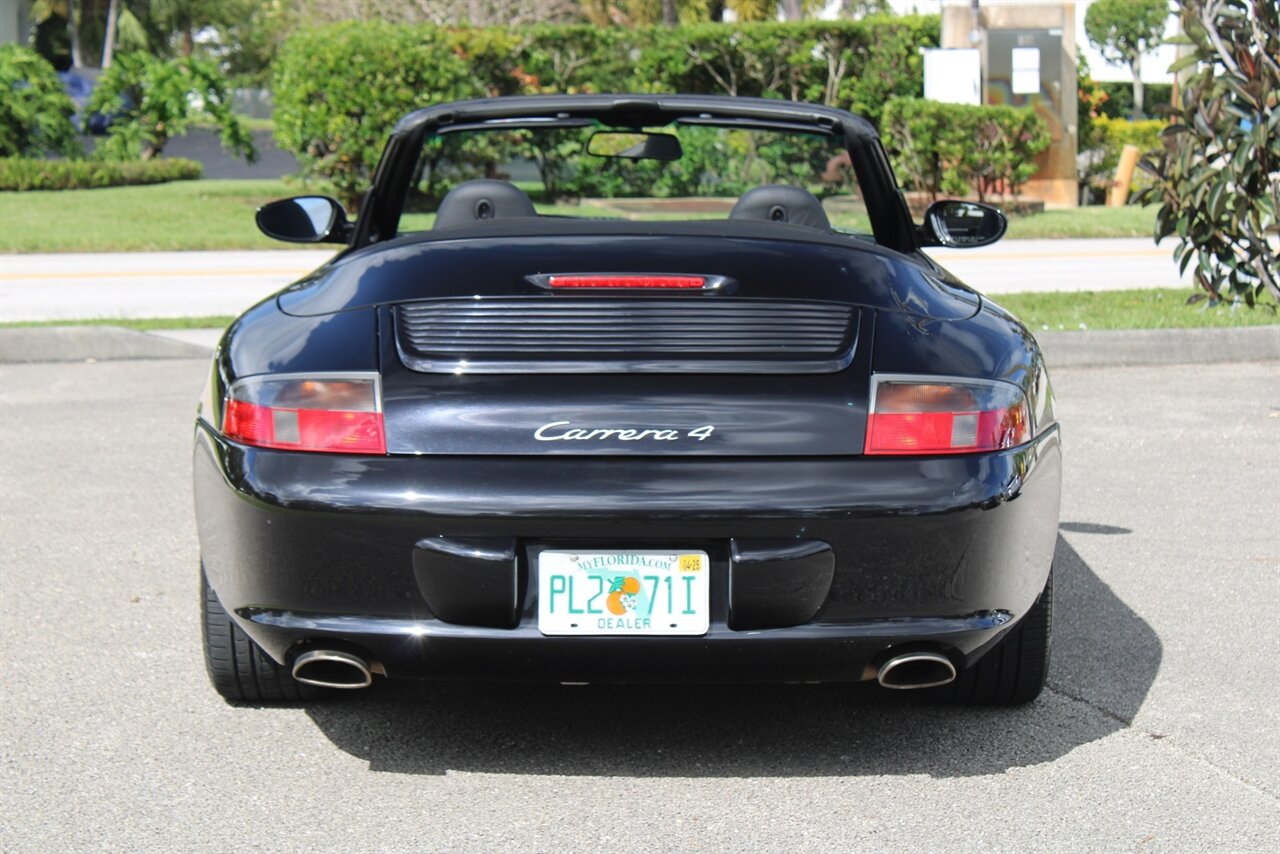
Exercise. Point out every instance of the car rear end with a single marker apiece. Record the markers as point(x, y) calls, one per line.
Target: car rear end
point(623, 457)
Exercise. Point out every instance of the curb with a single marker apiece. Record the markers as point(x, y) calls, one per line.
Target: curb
point(1098, 348)
point(90, 343)
point(1125, 347)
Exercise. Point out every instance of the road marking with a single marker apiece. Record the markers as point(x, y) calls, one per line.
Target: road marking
point(1077, 256)
point(153, 274)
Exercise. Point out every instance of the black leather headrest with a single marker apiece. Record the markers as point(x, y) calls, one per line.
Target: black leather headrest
point(473, 201)
point(777, 203)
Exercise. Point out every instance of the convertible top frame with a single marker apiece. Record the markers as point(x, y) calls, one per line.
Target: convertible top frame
point(890, 219)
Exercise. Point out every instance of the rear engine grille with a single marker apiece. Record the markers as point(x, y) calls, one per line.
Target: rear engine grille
point(592, 335)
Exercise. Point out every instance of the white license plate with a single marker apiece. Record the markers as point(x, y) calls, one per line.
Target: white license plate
point(624, 593)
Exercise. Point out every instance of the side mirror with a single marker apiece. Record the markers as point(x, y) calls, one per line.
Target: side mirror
point(962, 225)
point(305, 219)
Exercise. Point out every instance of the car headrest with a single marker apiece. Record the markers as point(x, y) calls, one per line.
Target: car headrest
point(777, 203)
point(473, 201)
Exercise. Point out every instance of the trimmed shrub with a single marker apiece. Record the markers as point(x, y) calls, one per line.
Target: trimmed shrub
point(340, 89)
point(35, 111)
point(21, 173)
point(153, 100)
point(1110, 136)
point(956, 149)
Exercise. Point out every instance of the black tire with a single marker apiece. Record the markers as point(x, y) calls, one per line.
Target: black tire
point(1015, 671)
point(238, 668)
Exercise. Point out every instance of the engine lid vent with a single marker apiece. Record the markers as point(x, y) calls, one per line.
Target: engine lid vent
point(563, 334)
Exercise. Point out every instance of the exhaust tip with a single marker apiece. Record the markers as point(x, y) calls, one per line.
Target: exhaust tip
point(916, 670)
point(330, 668)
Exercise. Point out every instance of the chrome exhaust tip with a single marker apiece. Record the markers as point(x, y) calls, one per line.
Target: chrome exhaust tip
point(330, 668)
point(916, 670)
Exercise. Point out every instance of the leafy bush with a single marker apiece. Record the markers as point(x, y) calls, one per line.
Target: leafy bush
point(153, 100)
point(340, 89)
point(1218, 176)
point(1109, 137)
point(957, 148)
point(22, 173)
point(35, 112)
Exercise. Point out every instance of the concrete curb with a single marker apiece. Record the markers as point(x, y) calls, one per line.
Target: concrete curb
point(1062, 349)
point(1121, 347)
point(86, 343)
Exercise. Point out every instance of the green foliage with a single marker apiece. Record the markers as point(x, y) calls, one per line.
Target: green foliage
point(955, 149)
point(1108, 139)
point(24, 173)
point(1218, 176)
point(153, 100)
point(35, 112)
point(1124, 30)
point(340, 89)
point(1117, 101)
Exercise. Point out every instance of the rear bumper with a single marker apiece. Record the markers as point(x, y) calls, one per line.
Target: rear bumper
point(936, 553)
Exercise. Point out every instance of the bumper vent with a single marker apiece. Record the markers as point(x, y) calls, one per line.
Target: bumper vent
point(602, 335)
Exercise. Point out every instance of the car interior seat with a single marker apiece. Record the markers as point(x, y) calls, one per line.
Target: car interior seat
point(474, 201)
point(778, 203)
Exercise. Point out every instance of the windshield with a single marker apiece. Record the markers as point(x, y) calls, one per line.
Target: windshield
point(681, 171)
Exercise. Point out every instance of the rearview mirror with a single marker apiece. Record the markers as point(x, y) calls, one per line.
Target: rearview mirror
point(635, 145)
point(962, 225)
point(305, 219)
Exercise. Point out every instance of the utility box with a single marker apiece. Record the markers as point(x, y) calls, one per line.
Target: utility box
point(1027, 52)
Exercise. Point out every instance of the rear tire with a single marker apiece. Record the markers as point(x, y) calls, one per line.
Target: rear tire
point(238, 668)
point(1015, 671)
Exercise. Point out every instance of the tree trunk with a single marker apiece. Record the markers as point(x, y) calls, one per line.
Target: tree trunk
point(109, 37)
point(669, 13)
point(187, 42)
point(792, 10)
point(1136, 66)
point(73, 32)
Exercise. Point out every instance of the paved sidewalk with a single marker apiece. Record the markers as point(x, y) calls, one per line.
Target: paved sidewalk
point(177, 284)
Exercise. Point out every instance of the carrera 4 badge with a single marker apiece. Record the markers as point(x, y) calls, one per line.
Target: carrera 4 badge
point(561, 431)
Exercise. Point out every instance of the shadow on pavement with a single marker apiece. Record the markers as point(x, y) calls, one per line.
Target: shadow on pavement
point(1104, 654)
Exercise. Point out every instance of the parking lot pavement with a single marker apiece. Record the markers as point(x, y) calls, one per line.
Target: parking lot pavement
point(1160, 730)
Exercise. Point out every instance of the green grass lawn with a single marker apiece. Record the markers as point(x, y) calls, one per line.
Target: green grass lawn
point(1154, 308)
point(210, 214)
point(1053, 312)
point(174, 216)
point(1129, 221)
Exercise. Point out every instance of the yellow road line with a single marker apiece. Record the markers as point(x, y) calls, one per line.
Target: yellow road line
point(155, 274)
point(1046, 256)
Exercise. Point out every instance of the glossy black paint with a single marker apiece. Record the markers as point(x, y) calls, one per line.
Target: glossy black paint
point(822, 559)
point(302, 546)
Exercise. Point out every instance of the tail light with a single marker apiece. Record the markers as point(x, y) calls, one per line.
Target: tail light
point(328, 413)
point(941, 415)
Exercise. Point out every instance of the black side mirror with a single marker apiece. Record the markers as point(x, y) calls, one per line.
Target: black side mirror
point(305, 219)
point(962, 225)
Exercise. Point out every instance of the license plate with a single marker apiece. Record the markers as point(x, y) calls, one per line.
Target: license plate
point(624, 593)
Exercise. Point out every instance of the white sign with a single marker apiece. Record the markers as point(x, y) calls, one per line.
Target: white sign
point(953, 76)
point(1026, 70)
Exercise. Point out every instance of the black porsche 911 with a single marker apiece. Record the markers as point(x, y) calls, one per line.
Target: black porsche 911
point(652, 411)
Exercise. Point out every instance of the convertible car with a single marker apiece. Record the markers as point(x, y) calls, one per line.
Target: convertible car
point(622, 389)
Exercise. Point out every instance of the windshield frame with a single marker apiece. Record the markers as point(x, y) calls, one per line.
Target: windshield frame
point(891, 222)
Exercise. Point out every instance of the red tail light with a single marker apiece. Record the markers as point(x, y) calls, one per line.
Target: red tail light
point(923, 415)
point(336, 413)
point(625, 280)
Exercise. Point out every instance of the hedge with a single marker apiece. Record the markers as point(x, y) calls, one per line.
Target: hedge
point(21, 173)
point(339, 89)
point(1110, 138)
point(956, 149)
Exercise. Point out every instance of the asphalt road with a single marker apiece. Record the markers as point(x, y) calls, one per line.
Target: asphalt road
point(1161, 731)
point(176, 284)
